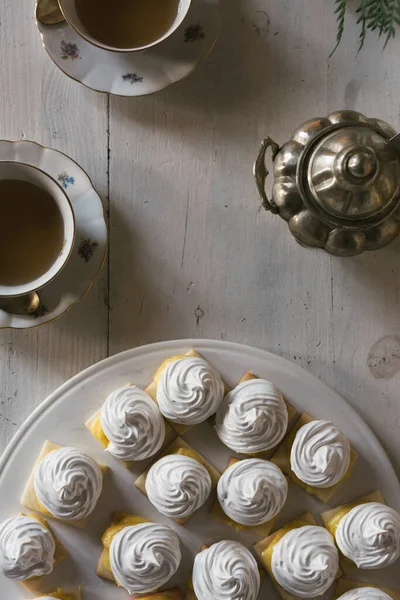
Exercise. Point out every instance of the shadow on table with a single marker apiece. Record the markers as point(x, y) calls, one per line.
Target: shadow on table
point(142, 281)
point(238, 75)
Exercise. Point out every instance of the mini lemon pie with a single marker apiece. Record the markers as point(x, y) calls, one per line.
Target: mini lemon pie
point(227, 571)
point(251, 494)
point(177, 485)
point(367, 532)
point(301, 558)
point(348, 589)
point(129, 425)
point(253, 417)
point(60, 595)
point(139, 556)
point(316, 456)
point(65, 484)
point(187, 389)
point(179, 482)
point(28, 550)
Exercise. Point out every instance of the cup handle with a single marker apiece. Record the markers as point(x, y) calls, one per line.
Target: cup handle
point(261, 172)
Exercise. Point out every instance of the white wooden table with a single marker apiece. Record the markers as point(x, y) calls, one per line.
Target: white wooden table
point(191, 252)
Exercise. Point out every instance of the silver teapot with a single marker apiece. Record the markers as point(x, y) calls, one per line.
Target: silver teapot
point(336, 183)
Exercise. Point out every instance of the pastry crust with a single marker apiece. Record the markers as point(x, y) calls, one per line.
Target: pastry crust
point(152, 388)
point(218, 514)
point(176, 445)
point(282, 459)
point(36, 584)
point(260, 547)
point(30, 499)
point(59, 594)
point(95, 428)
point(346, 564)
point(345, 585)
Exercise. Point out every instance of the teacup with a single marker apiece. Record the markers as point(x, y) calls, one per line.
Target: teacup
point(125, 25)
point(37, 229)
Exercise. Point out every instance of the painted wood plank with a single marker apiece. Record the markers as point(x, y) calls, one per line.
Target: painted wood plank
point(38, 102)
point(192, 254)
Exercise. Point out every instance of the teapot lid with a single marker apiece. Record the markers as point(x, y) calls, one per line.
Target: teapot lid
point(350, 175)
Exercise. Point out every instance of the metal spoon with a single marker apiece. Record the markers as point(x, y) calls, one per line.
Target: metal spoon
point(21, 305)
point(48, 12)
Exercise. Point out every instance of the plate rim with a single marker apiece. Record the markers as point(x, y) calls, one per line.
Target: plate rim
point(200, 344)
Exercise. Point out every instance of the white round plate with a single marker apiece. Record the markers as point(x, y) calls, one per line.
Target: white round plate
point(87, 256)
point(62, 416)
point(135, 73)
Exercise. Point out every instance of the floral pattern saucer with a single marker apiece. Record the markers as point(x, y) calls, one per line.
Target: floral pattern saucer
point(88, 254)
point(135, 73)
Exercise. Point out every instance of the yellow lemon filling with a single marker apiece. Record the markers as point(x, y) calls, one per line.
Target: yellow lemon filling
point(163, 596)
point(333, 523)
point(266, 555)
point(94, 426)
point(166, 362)
point(125, 520)
point(60, 595)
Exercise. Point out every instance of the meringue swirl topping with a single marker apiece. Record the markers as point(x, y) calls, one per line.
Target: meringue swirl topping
point(133, 424)
point(68, 483)
point(189, 391)
point(365, 593)
point(177, 485)
point(27, 548)
point(253, 417)
point(369, 535)
point(320, 454)
point(226, 571)
point(305, 561)
point(252, 491)
point(144, 557)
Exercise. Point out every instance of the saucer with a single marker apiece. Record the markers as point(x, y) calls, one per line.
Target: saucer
point(89, 251)
point(135, 73)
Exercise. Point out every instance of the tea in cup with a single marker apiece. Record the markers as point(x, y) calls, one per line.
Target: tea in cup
point(37, 229)
point(125, 25)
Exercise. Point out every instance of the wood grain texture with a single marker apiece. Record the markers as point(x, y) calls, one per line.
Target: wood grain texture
point(192, 253)
point(38, 102)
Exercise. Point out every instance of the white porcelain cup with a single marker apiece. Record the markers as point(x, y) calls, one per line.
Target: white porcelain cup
point(68, 8)
point(23, 172)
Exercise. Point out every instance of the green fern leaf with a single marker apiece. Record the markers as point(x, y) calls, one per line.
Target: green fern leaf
point(382, 16)
point(340, 12)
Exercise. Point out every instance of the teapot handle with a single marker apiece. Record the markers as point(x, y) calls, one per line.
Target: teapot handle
point(261, 172)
